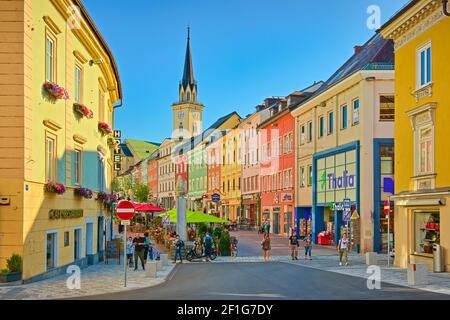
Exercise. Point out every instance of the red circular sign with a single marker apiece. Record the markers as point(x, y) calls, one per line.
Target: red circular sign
point(125, 210)
point(387, 207)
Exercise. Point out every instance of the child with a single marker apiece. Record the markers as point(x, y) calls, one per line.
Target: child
point(130, 251)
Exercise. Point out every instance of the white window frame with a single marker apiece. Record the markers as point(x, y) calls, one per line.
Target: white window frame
point(423, 48)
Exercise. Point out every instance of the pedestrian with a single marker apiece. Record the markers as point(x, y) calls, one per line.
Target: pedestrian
point(130, 251)
point(343, 248)
point(179, 244)
point(207, 242)
point(267, 227)
point(265, 244)
point(147, 245)
point(308, 246)
point(293, 245)
point(139, 249)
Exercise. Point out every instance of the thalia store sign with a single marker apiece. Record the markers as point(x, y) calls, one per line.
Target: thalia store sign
point(343, 181)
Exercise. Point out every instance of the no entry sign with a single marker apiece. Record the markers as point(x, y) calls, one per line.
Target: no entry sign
point(125, 210)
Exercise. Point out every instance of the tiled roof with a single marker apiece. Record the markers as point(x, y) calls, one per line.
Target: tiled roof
point(125, 150)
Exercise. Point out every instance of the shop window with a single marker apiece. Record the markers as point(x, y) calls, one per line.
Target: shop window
point(66, 239)
point(387, 108)
point(427, 231)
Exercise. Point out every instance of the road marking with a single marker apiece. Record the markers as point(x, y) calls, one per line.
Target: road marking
point(259, 295)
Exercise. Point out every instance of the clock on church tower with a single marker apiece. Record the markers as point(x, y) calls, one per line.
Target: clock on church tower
point(187, 112)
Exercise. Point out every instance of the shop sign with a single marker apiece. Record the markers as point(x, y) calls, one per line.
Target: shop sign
point(344, 181)
point(287, 197)
point(215, 197)
point(117, 153)
point(275, 198)
point(56, 214)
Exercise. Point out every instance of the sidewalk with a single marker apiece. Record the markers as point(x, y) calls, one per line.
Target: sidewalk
point(95, 280)
point(437, 282)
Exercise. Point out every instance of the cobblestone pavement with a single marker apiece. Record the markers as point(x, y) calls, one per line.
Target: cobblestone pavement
point(95, 280)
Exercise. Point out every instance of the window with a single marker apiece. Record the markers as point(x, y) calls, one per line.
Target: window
point(424, 66)
point(50, 159)
point(77, 167)
point(66, 239)
point(331, 123)
point(427, 231)
point(280, 146)
point(50, 50)
point(101, 172)
point(426, 151)
point(344, 117)
point(321, 126)
point(355, 112)
point(310, 175)
point(303, 135)
point(180, 115)
point(78, 84)
point(280, 181)
point(310, 132)
point(302, 177)
point(387, 108)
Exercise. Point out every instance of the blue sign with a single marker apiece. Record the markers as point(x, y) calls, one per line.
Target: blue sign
point(388, 185)
point(215, 197)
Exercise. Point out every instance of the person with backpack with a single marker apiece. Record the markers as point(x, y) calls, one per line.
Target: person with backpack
point(207, 242)
point(265, 244)
point(293, 245)
point(179, 244)
point(343, 249)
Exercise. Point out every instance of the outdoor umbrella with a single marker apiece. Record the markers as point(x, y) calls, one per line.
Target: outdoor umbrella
point(147, 207)
point(194, 217)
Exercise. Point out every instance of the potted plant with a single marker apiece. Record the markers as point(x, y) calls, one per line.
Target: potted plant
point(13, 272)
point(54, 92)
point(83, 111)
point(54, 187)
point(104, 128)
point(84, 192)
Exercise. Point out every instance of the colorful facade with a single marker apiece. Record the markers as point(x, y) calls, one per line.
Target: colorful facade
point(422, 177)
point(54, 136)
point(345, 149)
point(166, 175)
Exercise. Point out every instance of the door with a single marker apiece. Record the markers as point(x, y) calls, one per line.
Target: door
point(77, 240)
point(51, 251)
point(100, 237)
point(89, 238)
point(276, 222)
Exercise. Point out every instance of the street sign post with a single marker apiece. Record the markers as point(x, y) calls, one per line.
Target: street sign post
point(166, 220)
point(387, 212)
point(125, 211)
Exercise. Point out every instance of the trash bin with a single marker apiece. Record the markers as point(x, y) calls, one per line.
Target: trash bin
point(438, 258)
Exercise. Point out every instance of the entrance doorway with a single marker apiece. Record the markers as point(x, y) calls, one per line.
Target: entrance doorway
point(77, 241)
point(90, 242)
point(276, 221)
point(52, 247)
point(100, 238)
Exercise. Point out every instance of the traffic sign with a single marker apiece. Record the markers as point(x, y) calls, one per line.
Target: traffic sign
point(387, 208)
point(125, 222)
point(215, 197)
point(125, 210)
point(166, 220)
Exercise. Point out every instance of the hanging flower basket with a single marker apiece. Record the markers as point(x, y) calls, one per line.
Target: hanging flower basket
point(54, 187)
point(107, 200)
point(84, 192)
point(83, 111)
point(104, 128)
point(54, 92)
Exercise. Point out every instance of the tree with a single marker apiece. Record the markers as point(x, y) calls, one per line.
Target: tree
point(142, 193)
point(123, 185)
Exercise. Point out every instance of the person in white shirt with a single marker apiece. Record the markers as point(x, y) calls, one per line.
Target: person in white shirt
point(343, 249)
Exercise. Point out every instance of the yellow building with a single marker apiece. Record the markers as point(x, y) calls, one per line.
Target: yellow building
point(230, 175)
point(422, 167)
point(48, 133)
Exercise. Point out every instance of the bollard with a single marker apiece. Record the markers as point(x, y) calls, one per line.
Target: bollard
point(159, 265)
point(165, 259)
point(417, 274)
point(371, 258)
point(151, 269)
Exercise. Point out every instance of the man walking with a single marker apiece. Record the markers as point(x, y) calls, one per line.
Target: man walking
point(179, 244)
point(308, 247)
point(208, 246)
point(139, 249)
point(293, 245)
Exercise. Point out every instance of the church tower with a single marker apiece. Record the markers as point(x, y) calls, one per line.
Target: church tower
point(187, 112)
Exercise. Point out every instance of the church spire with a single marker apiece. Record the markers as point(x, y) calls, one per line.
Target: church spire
point(188, 74)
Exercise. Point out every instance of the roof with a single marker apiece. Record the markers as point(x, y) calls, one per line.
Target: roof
point(142, 149)
point(125, 150)
point(188, 73)
point(103, 42)
point(195, 141)
point(376, 54)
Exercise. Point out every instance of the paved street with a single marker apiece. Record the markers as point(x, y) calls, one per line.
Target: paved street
point(274, 280)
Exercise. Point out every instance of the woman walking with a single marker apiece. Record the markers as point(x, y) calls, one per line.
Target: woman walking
point(265, 243)
point(308, 247)
point(343, 248)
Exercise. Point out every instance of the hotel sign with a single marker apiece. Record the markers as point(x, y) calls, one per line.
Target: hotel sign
point(56, 214)
point(117, 153)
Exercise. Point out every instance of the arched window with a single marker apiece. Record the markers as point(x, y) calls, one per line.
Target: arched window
point(188, 96)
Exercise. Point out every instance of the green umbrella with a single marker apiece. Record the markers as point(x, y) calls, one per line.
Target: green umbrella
point(194, 217)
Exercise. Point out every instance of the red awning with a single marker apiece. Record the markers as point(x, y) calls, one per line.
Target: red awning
point(147, 207)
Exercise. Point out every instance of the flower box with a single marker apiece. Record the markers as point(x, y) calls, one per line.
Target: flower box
point(83, 111)
point(104, 128)
point(54, 92)
point(54, 187)
point(10, 277)
point(84, 192)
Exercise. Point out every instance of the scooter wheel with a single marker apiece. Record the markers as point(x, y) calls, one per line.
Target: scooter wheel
point(189, 257)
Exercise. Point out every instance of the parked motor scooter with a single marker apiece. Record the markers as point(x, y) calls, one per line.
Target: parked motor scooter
point(192, 254)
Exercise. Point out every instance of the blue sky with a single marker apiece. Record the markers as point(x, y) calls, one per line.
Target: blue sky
point(243, 51)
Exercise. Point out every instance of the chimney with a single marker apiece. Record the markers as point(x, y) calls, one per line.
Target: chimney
point(358, 49)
